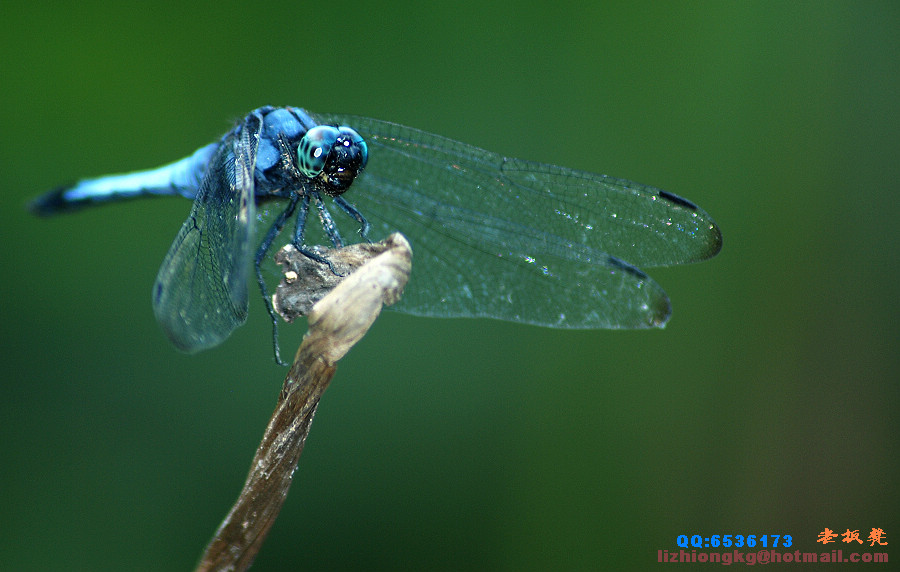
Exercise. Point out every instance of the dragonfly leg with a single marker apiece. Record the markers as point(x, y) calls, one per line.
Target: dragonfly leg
point(264, 247)
point(298, 235)
point(364, 225)
point(328, 223)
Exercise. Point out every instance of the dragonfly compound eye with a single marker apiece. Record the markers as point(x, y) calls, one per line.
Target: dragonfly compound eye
point(314, 148)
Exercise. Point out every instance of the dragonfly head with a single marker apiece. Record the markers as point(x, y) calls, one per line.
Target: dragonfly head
point(333, 156)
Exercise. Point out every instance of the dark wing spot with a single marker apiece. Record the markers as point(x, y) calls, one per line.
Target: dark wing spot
point(624, 266)
point(677, 200)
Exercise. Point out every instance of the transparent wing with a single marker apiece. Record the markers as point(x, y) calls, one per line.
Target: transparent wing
point(200, 293)
point(522, 241)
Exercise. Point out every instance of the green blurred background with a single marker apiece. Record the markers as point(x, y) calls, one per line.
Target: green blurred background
point(767, 406)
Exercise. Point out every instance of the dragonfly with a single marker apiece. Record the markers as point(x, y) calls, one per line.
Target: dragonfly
point(492, 236)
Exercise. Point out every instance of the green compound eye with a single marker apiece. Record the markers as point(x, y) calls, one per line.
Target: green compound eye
point(314, 148)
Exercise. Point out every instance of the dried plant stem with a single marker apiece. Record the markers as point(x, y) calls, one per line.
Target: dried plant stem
point(336, 322)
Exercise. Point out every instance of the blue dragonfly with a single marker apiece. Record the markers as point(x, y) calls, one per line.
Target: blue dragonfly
point(492, 236)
